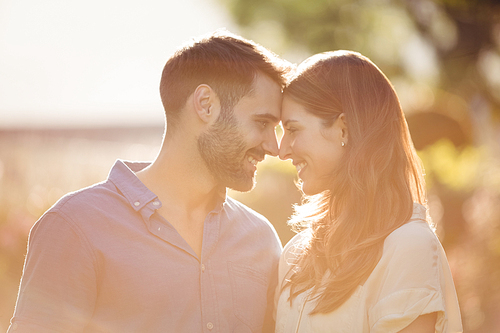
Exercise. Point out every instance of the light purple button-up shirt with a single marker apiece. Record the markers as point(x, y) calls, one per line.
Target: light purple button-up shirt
point(102, 260)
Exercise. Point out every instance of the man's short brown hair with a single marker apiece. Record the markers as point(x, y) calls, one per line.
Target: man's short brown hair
point(226, 62)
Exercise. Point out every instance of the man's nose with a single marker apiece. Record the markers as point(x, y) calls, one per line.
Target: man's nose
point(271, 145)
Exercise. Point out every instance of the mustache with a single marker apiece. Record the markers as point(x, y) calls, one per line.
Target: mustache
point(257, 152)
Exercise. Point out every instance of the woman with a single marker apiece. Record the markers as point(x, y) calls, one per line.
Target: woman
point(366, 259)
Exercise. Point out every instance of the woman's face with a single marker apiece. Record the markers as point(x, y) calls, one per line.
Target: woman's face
point(315, 150)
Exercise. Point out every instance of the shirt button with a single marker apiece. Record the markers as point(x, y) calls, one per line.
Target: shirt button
point(210, 325)
point(156, 203)
point(137, 203)
point(202, 267)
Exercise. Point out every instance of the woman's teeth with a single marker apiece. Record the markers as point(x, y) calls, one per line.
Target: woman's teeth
point(301, 166)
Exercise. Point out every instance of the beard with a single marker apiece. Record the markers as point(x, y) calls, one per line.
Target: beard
point(222, 148)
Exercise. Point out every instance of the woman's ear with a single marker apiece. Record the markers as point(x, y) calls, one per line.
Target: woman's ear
point(342, 126)
point(206, 103)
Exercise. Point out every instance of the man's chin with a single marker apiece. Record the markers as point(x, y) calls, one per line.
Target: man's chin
point(242, 185)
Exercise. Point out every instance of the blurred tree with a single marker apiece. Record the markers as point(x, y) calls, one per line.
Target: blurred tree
point(450, 45)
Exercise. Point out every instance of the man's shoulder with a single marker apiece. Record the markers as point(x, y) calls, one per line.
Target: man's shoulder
point(236, 207)
point(250, 223)
point(91, 197)
point(238, 211)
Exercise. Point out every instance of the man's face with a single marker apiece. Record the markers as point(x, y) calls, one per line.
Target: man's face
point(237, 141)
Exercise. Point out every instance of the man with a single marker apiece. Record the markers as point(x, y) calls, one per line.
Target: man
point(159, 247)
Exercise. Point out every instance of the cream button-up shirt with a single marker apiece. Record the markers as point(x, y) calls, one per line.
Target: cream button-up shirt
point(412, 278)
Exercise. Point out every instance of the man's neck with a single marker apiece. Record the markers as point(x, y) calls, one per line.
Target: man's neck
point(186, 189)
point(180, 179)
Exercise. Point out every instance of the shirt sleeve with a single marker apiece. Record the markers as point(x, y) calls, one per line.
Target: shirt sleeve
point(412, 279)
point(58, 286)
point(269, 320)
point(287, 260)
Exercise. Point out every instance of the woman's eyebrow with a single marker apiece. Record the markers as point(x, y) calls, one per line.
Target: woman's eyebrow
point(288, 121)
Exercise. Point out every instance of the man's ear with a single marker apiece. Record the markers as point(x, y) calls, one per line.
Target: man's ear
point(206, 103)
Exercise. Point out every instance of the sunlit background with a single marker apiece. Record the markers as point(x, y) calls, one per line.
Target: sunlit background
point(79, 89)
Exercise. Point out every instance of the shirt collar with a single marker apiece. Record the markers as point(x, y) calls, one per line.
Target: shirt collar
point(122, 175)
point(221, 199)
point(419, 212)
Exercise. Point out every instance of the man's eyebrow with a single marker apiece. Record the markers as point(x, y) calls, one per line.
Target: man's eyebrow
point(268, 116)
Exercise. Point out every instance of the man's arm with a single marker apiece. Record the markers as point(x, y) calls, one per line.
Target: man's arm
point(58, 286)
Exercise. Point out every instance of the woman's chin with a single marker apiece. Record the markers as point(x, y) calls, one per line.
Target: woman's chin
point(311, 189)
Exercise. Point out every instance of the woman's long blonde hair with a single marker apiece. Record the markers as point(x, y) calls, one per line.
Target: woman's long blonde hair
point(371, 193)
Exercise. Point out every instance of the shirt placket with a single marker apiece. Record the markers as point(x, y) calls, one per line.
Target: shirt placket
point(209, 306)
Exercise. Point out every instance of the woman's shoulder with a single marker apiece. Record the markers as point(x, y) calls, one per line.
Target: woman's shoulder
point(412, 278)
point(414, 235)
point(411, 233)
point(297, 243)
point(292, 252)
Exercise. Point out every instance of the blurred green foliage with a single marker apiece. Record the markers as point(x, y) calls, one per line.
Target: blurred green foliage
point(455, 168)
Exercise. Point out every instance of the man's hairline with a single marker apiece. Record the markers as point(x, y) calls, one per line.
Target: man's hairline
point(252, 89)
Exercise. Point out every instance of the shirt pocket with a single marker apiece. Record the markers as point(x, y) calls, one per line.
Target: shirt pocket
point(249, 292)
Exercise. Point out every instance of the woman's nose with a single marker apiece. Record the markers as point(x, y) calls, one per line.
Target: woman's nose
point(285, 148)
